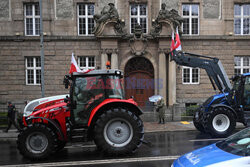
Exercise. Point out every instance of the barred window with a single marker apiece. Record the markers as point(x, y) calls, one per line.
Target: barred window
point(138, 14)
point(86, 62)
point(190, 14)
point(190, 75)
point(33, 70)
point(32, 19)
point(85, 19)
point(241, 19)
point(241, 64)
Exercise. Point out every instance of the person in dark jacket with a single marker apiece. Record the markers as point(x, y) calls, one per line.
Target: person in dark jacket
point(11, 117)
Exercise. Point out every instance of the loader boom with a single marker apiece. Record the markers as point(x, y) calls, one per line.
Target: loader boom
point(213, 67)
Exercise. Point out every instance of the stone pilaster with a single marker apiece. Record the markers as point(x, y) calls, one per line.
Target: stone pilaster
point(114, 60)
point(104, 58)
point(172, 83)
point(162, 75)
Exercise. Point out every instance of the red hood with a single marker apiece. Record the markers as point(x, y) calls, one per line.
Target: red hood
point(49, 108)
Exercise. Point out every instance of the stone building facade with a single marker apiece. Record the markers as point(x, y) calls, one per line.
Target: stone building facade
point(217, 28)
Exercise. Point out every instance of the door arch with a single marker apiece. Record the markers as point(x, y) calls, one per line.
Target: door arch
point(139, 80)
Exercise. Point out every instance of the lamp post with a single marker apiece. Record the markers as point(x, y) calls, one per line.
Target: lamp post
point(42, 48)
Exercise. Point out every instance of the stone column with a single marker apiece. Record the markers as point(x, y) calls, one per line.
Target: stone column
point(114, 60)
point(104, 58)
point(172, 83)
point(162, 75)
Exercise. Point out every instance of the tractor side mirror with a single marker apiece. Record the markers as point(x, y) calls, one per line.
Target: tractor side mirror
point(66, 82)
point(66, 100)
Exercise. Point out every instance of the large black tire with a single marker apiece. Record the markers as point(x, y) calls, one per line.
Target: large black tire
point(37, 141)
point(60, 145)
point(198, 123)
point(198, 126)
point(219, 122)
point(118, 131)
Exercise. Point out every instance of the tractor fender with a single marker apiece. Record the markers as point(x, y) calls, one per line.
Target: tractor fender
point(226, 106)
point(53, 123)
point(112, 102)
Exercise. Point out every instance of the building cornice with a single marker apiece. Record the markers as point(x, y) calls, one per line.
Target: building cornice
point(93, 38)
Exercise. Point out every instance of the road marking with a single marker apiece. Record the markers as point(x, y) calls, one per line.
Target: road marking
point(185, 122)
point(216, 139)
point(96, 162)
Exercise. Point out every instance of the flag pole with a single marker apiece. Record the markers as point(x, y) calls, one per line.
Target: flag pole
point(42, 48)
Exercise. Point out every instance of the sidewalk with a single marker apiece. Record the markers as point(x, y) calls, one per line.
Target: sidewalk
point(148, 127)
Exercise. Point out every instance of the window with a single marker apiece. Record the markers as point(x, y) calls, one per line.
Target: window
point(190, 15)
point(86, 62)
point(241, 19)
point(32, 19)
point(85, 19)
point(241, 65)
point(190, 75)
point(138, 14)
point(33, 70)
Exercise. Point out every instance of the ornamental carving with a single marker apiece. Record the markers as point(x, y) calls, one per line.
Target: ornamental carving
point(109, 18)
point(166, 17)
point(138, 43)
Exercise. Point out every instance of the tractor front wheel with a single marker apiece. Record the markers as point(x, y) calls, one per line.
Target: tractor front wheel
point(198, 123)
point(118, 131)
point(198, 126)
point(36, 142)
point(220, 122)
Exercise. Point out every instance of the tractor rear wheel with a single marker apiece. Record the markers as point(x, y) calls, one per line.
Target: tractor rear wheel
point(118, 131)
point(220, 122)
point(37, 141)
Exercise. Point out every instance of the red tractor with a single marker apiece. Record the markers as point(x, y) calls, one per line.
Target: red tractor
point(95, 110)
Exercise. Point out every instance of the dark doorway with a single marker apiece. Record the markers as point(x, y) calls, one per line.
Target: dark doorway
point(139, 81)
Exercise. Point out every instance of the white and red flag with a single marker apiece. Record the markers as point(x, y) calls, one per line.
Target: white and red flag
point(74, 67)
point(172, 43)
point(178, 41)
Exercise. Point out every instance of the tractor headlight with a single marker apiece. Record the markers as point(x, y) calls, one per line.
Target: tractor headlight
point(27, 113)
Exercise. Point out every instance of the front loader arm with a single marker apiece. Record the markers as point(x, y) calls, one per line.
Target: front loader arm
point(213, 67)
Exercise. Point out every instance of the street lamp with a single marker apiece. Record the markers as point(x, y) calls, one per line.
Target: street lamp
point(42, 48)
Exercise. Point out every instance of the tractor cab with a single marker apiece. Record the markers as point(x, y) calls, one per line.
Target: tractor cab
point(88, 90)
point(241, 91)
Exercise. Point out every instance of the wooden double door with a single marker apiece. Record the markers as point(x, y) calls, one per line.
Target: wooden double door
point(139, 80)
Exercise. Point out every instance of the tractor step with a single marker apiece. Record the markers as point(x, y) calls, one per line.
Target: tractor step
point(247, 118)
point(79, 135)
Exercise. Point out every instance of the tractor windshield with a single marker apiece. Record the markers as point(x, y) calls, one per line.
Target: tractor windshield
point(114, 87)
point(236, 84)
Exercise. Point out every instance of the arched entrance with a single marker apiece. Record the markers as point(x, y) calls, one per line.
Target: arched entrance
point(139, 80)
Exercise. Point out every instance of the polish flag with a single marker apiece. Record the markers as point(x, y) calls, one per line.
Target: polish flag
point(178, 41)
point(172, 43)
point(74, 67)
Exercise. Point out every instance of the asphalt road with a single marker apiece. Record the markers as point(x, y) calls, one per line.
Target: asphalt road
point(162, 149)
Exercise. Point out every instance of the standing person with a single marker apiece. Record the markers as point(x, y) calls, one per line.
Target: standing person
point(161, 111)
point(11, 116)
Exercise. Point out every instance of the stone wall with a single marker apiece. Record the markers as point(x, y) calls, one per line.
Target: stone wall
point(57, 63)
